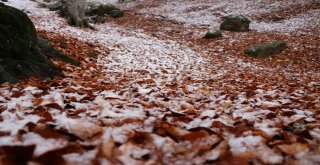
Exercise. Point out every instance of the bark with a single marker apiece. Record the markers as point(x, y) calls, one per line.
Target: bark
point(75, 12)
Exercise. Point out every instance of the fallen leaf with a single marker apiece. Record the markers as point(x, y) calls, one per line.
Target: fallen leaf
point(294, 149)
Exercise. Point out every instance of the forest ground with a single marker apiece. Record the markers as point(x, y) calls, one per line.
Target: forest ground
point(156, 92)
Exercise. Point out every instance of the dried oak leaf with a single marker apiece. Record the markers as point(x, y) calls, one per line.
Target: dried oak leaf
point(47, 132)
point(193, 136)
point(239, 129)
point(70, 90)
point(78, 127)
point(107, 145)
point(17, 94)
point(43, 113)
point(166, 129)
point(293, 149)
point(54, 106)
point(54, 157)
point(233, 160)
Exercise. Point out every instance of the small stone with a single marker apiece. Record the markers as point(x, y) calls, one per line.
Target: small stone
point(98, 19)
point(213, 34)
point(265, 49)
point(238, 23)
point(116, 13)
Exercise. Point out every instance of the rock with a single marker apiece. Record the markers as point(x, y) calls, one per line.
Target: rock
point(116, 13)
point(100, 10)
point(238, 23)
point(57, 6)
point(4, 0)
point(51, 52)
point(265, 49)
point(213, 34)
point(20, 56)
point(98, 19)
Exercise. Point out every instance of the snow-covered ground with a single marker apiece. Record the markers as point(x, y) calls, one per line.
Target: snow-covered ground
point(210, 12)
point(172, 104)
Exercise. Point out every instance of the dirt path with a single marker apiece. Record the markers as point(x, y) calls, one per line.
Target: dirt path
point(164, 95)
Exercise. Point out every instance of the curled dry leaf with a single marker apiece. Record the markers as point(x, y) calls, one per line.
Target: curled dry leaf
point(194, 136)
point(294, 149)
point(54, 157)
point(78, 127)
point(108, 144)
point(43, 113)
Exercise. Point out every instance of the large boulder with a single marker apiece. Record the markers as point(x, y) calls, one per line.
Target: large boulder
point(237, 23)
point(265, 49)
point(20, 57)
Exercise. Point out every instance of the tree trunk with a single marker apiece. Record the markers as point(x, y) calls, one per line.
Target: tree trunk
point(76, 12)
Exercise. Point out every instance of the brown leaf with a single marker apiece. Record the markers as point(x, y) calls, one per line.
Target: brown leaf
point(184, 119)
point(140, 138)
point(37, 101)
point(166, 129)
point(54, 157)
point(193, 136)
point(70, 90)
point(17, 94)
point(106, 148)
point(43, 113)
point(293, 149)
point(205, 129)
point(233, 160)
point(54, 106)
point(239, 129)
point(218, 124)
point(47, 132)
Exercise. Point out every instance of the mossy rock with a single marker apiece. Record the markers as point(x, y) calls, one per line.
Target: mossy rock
point(116, 13)
point(98, 19)
point(213, 34)
point(265, 49)
point(20, 56)
point(237, 23)
point(100, 10)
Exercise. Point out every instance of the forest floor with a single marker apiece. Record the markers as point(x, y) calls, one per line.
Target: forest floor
point(151, 90)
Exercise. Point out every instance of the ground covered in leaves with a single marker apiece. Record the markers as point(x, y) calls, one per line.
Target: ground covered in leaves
point(150, 90)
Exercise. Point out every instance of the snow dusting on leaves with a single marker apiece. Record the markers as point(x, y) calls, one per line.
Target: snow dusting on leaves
point(150, 90)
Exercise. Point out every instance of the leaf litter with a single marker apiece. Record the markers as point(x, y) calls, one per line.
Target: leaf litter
point(164, 98)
